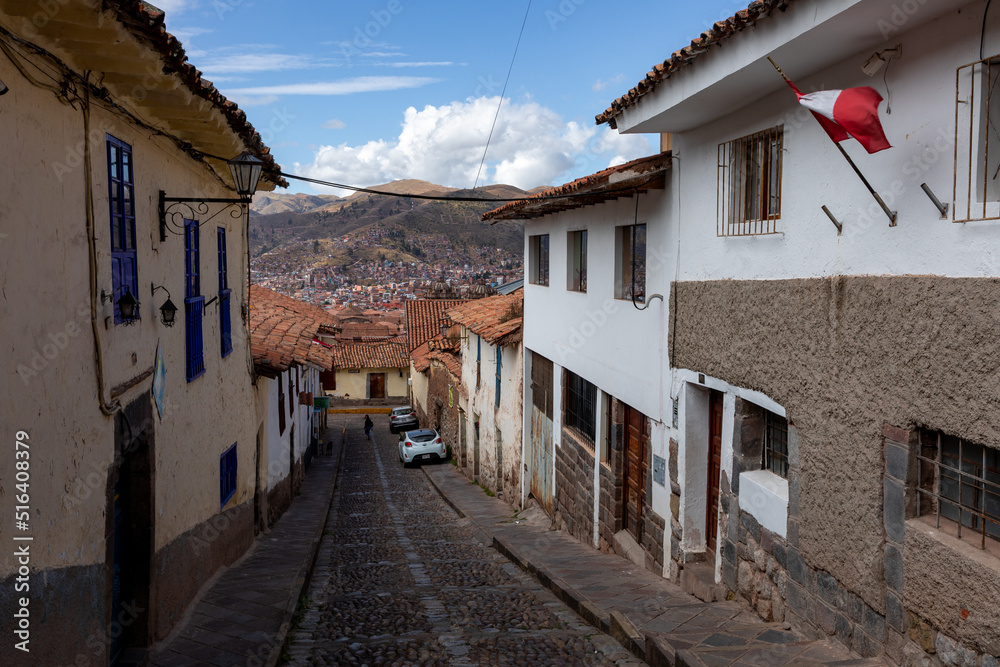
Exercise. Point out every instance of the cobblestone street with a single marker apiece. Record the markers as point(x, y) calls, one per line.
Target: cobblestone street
point(400, 579)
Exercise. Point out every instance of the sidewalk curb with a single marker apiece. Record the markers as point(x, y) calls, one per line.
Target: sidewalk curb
point(615, 624)
point(305, 572)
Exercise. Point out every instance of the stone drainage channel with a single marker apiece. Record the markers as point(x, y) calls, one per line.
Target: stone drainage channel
point(400, 579)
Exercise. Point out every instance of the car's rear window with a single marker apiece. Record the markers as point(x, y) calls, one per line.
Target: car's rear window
point(402, 411)
point(422, 436)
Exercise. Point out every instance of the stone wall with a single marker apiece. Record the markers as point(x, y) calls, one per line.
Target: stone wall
point(575, 486)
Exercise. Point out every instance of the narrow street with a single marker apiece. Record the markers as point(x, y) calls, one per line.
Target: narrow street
point(400, 579)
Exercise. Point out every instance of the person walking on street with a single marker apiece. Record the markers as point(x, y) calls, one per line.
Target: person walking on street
point(368, 427)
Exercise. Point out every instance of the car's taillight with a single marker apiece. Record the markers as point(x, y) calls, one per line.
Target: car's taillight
point(407, 444)
point(438, 441)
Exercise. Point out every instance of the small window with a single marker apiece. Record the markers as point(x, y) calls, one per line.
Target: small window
point(977, 142)
point(499, 355)
point(225, 307)
point(538, 259)
point(121, 198)
point(630, 263)
point(749, 186)
point(959, 482)
point(227, 475)
point(580, 410)
point(577, 278)
point(776, 444)
point(194, 302)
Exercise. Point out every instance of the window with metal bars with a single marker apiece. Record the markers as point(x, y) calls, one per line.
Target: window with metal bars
point(580, 407)
point(538, 259)
point(959, 482)
point(776, 444)
point(977, 141)
point(577, 278)
point(749, 184)
point(631, 263)
point(121, 199)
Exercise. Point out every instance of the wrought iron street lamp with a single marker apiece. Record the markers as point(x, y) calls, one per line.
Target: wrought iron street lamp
point(168, 311)
point(246, 170)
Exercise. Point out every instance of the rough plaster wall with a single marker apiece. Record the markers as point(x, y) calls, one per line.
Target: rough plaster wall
point(44, 291)
point(937, 593)
point(844, 355)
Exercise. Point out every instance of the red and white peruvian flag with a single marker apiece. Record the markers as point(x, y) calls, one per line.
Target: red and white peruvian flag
point(848, 113)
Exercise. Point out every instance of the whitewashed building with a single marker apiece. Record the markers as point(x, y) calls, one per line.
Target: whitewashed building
point(489, 443)
point(822, 386)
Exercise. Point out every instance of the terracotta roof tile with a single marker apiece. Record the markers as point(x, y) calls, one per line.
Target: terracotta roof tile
point(371, 355)
point(423, 319)
point(491, 317)
point(719, 32)
point(145, 22)
point(283, 332)
point(623, 180)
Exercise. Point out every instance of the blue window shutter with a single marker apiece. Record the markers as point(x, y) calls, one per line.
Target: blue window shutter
point(227, 475)
point(499, 362)
point(225, 307)
point(121, 197)
point(194, 302)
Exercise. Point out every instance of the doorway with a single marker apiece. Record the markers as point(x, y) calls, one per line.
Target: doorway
point(376, 385)
point(131, 544)
point(542, 383)
point(714, 470)
point(634, 475)
point(475, 445)
point(498, 440)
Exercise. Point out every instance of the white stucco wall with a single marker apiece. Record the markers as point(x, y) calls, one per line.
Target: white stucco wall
point(51, 379)
point(507, 418)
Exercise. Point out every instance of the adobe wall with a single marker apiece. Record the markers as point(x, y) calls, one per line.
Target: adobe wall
point(858, 363)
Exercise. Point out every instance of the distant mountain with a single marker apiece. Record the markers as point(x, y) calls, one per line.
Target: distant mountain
point(267, 203)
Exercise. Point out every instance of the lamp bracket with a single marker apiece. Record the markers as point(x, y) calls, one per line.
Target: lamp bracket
point(175, 210)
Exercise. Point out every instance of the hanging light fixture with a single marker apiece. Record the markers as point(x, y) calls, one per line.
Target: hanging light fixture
point(246, 170)
point(168, 311)
point(128, 307)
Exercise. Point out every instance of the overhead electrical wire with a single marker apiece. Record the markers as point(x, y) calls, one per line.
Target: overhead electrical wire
point(502, 93)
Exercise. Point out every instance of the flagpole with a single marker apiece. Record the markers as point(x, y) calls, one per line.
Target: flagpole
point(890, 214)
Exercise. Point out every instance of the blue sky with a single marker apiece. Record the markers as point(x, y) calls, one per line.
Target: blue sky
point(368, 92)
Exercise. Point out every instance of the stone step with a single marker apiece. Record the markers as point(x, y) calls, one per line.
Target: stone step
point(698, 579)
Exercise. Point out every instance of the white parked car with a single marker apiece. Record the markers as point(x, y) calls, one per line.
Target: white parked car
point(421, 445)
point(402, 419)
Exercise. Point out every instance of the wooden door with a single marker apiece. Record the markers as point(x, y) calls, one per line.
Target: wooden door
point(635, 470)
point(376, 385)
point(714, 469)
point(541, 431)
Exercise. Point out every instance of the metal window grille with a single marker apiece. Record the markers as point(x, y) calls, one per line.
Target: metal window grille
point(578, 261)
point(633, 263)
point(776, 444)
point(120, 204)
point(959, 481)
point(580, 411)
point(539, 257)
point(749, 184)
point(976, 187)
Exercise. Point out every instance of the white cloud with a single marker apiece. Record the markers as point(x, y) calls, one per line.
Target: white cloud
point(252, 100)
point(600, 85)
point(171, 7)
point(261, 62)
point(422, 64)
point(361, 84)
point(624, 147)
point(532, 145)
point(334, 124)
